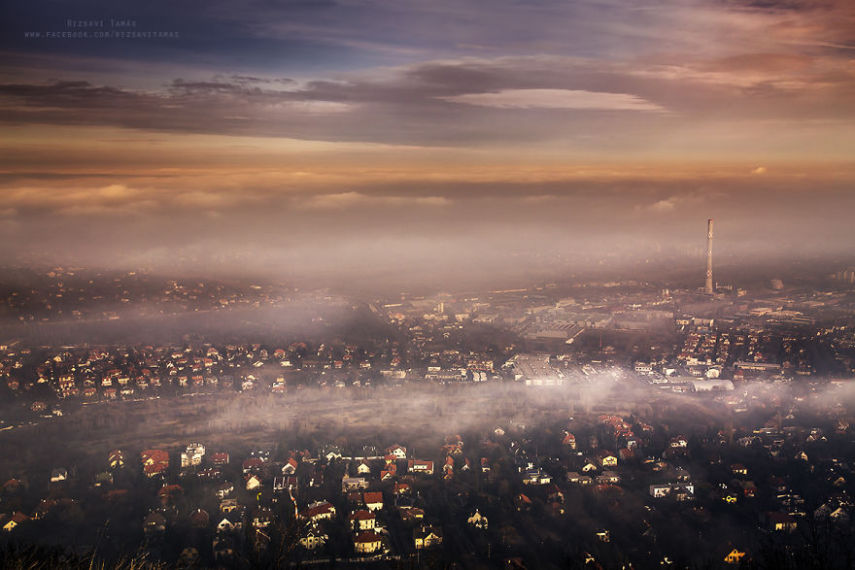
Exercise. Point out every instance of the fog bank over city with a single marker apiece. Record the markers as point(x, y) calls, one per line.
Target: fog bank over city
point(453, 233)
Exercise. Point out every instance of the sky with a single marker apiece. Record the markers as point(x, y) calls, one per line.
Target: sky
point(366, 137)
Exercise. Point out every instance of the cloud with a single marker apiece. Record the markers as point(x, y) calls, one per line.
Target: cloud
point(555, 99)
point(694, 200)
point(197, 199)
point(759, 170)
point(118, 192)
point(666, 205)
point(656, 103)
point(346, 200)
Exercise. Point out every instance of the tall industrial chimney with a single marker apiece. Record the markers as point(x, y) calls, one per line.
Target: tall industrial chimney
point(708, 286)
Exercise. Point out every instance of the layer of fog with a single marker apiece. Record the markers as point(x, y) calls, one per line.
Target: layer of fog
point(302, 316)
point(449, 235)
point(424, 412)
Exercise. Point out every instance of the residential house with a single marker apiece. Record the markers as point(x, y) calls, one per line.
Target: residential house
point(427, 536)
point(678, 491)
point(398, 451)
point(735, 556)
point(252, 465)
point(411, 514)
point(220, 458)
point(224, 489)
point(679, 442)
point(318, 511)
point(154, 523)
point(192, 456)
point(312, 537)
point(263, 518)
point(332, 453)
point(15, 520)
point(116, 459)
point(608, 478)
point(290, 466)
point(522, 502)
point(362, 520)
point(780, 521)
point(569, 440)
point(485, 465)
point(253, 483)
point(577, 479)
point(199, 518)
point(353, 484)
point(155, 462)
point(58, 475)
point(536, 476)
point(477, 520)
point(168, 494)
point(420, 466)
point(607, 458)
point(367, 542)
point(231, 521)
point(373, 500)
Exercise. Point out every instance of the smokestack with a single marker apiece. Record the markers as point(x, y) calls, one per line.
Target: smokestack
point(708, 286)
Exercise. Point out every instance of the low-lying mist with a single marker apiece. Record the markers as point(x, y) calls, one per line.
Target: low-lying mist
point(423, 413)
point(381, 237)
